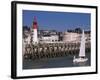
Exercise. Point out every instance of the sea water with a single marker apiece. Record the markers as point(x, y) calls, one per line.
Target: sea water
point(66, 61)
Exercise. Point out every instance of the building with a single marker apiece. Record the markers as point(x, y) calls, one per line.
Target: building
point(48, 36)
point(49, 39)
point(73, 37)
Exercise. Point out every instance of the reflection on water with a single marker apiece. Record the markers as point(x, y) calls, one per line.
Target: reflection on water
point(80, 64)
point(66, 61)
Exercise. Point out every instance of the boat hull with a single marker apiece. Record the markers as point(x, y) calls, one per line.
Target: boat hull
point(78, 60)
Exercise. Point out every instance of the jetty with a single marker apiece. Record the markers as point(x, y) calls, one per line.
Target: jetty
point(52, 50)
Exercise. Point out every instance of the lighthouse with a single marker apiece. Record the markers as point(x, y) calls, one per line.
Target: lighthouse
point(35, 34)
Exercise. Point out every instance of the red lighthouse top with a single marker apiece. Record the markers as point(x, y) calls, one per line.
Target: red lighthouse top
point(35, 23)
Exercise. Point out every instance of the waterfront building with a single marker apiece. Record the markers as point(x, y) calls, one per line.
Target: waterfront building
point(71, 37)
point(49, 39)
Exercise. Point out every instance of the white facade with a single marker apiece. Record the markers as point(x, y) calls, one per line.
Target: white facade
point(71, 37)
point(35, 36)
point(74, 37)
point(50, 39)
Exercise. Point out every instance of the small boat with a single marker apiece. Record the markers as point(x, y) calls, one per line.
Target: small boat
point(82, 56)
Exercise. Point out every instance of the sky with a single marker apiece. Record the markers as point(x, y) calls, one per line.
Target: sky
point(60, 21)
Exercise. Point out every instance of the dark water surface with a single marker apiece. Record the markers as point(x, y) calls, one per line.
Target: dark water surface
point(66, 61)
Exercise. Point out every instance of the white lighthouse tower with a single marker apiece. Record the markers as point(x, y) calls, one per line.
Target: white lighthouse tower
point(35, 34)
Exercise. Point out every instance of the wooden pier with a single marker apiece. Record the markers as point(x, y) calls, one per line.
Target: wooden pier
point(52, 50)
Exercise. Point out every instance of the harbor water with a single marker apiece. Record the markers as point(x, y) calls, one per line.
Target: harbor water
point(57, 62)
